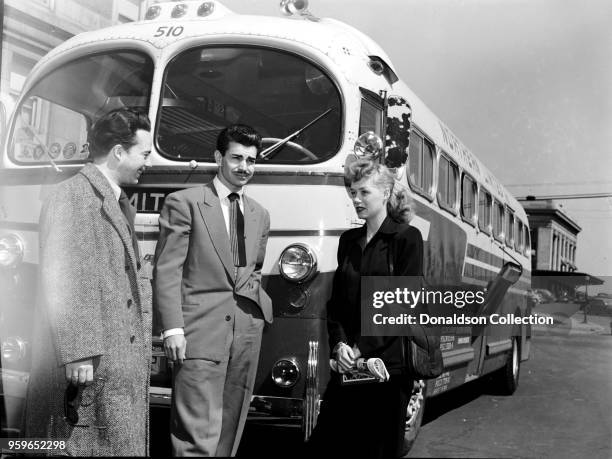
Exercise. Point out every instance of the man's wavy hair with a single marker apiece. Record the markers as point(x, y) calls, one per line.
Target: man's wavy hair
point(400, 206)
point(117, 127)
point(239, 133)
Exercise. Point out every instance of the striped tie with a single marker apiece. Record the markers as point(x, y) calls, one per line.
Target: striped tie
point(237, 231)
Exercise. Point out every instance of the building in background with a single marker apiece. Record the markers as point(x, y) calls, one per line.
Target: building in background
point(31, 28)
point(554, 236)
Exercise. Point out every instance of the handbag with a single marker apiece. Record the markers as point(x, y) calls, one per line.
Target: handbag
point(421, 356)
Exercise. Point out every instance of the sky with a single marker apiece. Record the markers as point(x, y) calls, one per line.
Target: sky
point(525, 84)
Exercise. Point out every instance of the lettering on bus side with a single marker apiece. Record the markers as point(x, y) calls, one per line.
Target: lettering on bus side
point(463, 154)
point(148, 200)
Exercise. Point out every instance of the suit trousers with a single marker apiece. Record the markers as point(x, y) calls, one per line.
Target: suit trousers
point(211, 399)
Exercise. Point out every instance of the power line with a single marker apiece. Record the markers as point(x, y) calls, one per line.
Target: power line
point(565, 196)
point(589, 182)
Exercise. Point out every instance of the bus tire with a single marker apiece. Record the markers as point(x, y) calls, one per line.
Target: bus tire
point(507, 378)
point(414, 415)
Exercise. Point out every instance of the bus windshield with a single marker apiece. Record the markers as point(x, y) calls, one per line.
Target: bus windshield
point(53, 118)
point(207, 88)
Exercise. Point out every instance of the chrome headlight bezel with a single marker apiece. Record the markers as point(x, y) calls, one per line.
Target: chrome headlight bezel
point(309, 261)
point(280, 369)
point(13, 349)
point(12, 249)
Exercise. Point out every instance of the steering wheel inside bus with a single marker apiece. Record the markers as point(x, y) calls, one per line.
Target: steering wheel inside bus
point(269, 141)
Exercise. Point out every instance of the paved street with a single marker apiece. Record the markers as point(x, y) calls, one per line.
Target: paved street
point(562, 408)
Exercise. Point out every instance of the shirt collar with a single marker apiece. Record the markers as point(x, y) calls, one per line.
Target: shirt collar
point(389, 226)
point(116, 188)
point(223, 191)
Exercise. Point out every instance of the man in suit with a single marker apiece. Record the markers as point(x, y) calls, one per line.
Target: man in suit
point(208, 295)
point(92, 335)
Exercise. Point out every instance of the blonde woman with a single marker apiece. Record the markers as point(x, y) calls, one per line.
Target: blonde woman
point(368, 420)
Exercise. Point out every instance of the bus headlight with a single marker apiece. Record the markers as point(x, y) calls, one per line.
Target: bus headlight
point(285, 373)
point(297, 263)
point(13, 349)
point(11, 250)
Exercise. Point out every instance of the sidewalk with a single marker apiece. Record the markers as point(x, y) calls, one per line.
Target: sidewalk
point(596, 325)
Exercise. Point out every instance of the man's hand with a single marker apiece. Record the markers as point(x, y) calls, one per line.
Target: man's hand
point(174, 347)
point(80, 372)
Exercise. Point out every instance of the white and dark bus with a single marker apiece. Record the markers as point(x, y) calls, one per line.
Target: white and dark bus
point(195, 67)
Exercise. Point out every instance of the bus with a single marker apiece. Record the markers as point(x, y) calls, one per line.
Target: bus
point(333, 95)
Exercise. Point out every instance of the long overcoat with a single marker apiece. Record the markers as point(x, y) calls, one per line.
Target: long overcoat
point(92, 305)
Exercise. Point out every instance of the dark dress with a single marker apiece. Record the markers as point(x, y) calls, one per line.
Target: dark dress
point(366, 420)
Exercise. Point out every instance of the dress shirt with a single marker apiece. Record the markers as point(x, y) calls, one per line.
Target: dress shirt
point(223, 192)
point(116, 188)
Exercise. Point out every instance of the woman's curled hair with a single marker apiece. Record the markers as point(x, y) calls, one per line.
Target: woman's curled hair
point(400, 204)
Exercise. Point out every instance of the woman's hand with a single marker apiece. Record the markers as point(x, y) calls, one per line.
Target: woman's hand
point(345, 357)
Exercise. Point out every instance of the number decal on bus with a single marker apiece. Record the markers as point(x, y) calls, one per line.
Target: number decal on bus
point(169, 31)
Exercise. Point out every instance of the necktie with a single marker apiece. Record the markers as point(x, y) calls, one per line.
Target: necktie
point(236, 231)
point(128, 214)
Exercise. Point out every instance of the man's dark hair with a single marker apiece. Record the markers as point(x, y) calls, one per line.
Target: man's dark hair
point(117, 127)
point(239, 133)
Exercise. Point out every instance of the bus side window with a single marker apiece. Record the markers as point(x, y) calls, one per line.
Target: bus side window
point(420, 164)
point(370, 118)
point(498, 221)
point(484, 211)
point(448, 177)
point(510, 228)
point(468, 199)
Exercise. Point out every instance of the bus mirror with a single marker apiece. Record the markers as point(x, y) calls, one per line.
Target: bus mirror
point(368, 146)
point(511, 272)
point(397, 140)
point(497, 288)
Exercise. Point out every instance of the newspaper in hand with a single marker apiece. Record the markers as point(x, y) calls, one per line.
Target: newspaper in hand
point(365, 370)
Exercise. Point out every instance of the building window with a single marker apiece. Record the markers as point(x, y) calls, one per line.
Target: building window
point(448, 176)
point(20, 67)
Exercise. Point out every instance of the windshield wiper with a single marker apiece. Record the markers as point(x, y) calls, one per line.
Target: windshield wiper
point(268, 151)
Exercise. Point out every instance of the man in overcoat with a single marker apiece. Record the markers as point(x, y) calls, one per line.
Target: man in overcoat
point(208, 293)
point(93, 324)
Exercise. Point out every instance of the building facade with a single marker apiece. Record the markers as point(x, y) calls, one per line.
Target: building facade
point(31, 28)
point(554, 236)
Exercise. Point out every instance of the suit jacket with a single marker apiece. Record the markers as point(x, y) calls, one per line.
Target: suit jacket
point(91, 305)
point(195, 286)
point(396, 242)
